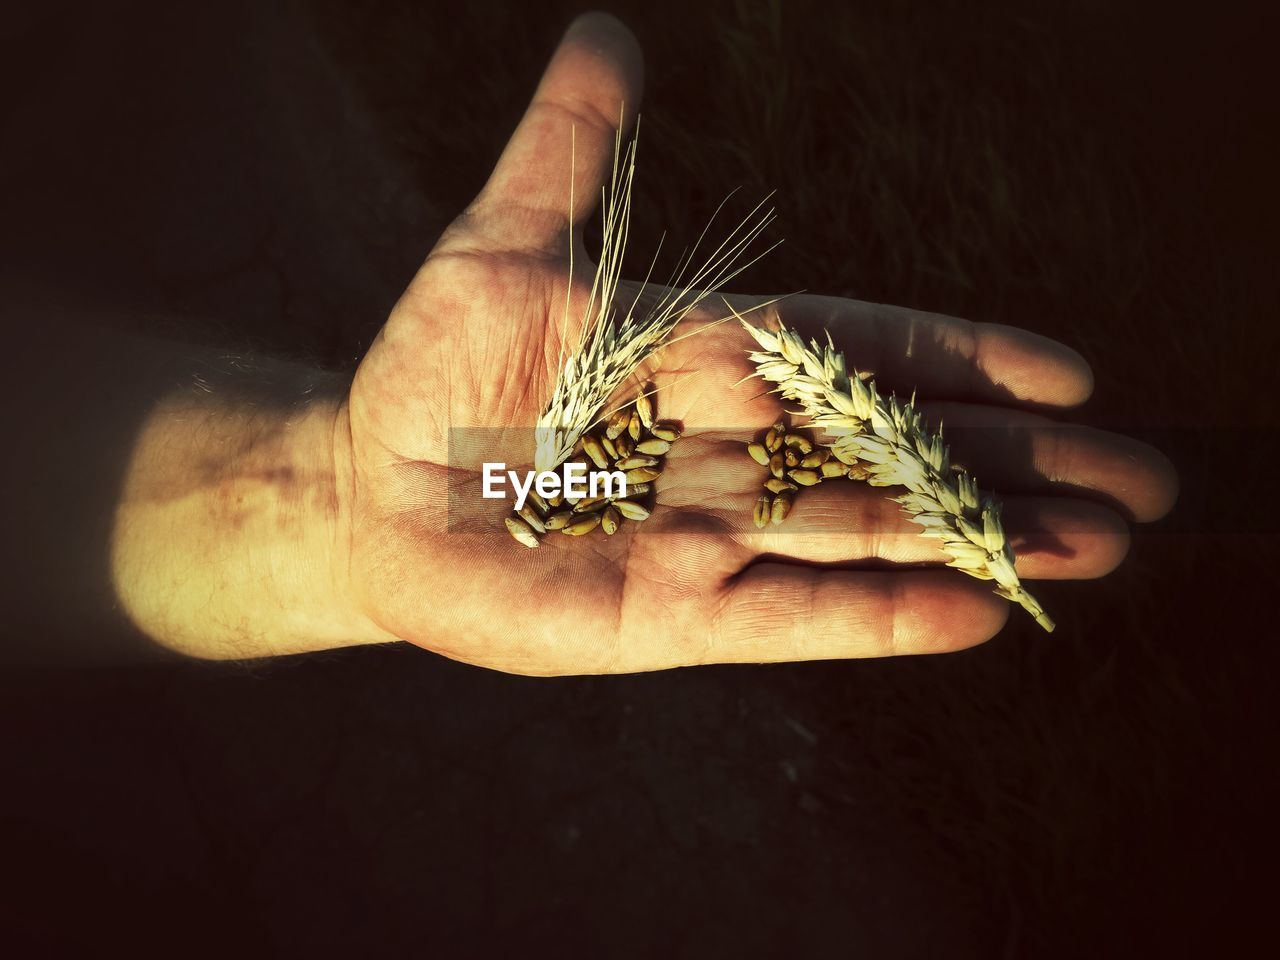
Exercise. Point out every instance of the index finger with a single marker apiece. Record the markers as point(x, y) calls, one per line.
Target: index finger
point(945, 358)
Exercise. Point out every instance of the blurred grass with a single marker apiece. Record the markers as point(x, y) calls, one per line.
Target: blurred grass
point(1057, 168)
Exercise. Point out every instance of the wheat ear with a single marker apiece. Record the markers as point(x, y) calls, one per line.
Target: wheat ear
point(616, 339)
point(891, 442)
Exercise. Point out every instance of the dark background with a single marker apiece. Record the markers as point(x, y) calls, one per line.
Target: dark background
point(267, 178)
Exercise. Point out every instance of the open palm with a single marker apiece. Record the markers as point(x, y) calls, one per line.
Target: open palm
point(473, 348)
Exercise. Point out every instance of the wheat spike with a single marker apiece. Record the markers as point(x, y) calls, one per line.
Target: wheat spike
point(890, 440)
point(616, 339)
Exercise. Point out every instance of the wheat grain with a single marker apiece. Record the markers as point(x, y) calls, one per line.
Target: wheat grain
point(634, 462)
point(644, 407)
point(530, 516)
point(798, 442)
point(632, 510)
point(610, 520)
point(782, 505)
point(583, 525)
point(558, 521)
point(653, 446)
point(888, 443)
point(593, 448)
point(522, 532)
point(617, 423)
point(773, 438)
point(763, 510)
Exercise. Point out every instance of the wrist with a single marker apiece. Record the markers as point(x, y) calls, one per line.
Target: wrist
point(232, 535)
point(348, 622)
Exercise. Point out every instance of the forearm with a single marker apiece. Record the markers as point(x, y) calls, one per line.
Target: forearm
point(174, 496)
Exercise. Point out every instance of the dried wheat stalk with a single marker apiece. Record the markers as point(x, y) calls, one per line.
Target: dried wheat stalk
point(613, 342)
point(616, 339)
point(889, 440)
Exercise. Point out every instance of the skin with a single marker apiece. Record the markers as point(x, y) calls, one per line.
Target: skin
point(327, 522)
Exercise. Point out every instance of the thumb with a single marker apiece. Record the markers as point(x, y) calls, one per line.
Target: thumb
point(591, 86)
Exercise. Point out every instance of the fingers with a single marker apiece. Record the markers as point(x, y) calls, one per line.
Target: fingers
point(570, 126)
point(1057, 537)
point(945, 357)
point(1054, 538)
point(1012, 451)
point(776, 612)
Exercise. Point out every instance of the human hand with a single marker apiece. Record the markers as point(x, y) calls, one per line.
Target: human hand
point(475, 343)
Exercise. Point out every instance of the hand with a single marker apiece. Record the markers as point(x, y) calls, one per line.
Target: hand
point(475, 343)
